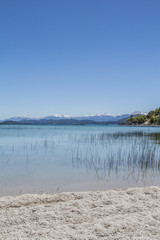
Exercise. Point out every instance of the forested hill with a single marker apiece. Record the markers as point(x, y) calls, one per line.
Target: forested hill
point(152, 118)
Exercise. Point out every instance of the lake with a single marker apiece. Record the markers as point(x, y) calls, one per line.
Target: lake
point(36, 159)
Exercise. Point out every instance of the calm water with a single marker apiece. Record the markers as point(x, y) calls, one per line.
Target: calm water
point(77, 158)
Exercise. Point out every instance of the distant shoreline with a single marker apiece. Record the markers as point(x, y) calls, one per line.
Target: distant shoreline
point(140, 125)
point(77, 124)
point(60, 123)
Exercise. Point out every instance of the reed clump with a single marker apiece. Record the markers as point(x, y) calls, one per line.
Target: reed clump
point(118, 153)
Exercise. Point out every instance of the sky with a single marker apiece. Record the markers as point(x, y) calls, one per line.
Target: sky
point(79, 57)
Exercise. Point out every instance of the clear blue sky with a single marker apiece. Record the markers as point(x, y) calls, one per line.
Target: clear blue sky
point(79, 56)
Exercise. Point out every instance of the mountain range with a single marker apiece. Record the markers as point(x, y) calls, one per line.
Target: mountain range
point(78, 120)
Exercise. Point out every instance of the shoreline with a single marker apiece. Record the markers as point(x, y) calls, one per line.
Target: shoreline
point(139, 125)
point(132, 213)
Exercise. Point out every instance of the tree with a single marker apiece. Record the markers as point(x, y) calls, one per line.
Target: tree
point(150, 114)
point(157, 119)
point(152, 120)
point(141, 119)
point(157, 112)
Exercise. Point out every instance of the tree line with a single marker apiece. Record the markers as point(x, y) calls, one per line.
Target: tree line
point(153, 117)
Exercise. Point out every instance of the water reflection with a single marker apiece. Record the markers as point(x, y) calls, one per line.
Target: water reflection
point(155, 136)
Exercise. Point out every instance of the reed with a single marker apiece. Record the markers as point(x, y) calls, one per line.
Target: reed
point(117, 153)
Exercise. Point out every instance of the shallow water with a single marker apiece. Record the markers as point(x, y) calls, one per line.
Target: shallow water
point(77, 158)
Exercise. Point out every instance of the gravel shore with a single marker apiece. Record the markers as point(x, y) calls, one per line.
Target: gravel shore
point(115, 214)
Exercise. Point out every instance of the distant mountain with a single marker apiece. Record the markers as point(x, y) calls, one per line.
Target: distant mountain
point(9, 123)
point(20, 118)
point(63, 119)
point(104, 117)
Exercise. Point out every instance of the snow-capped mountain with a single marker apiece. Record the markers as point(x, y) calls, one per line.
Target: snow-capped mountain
point(138, 113)
point(96, 118)
point(104, 117)
point(57, 117)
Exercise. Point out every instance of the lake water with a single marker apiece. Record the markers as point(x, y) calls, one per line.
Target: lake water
point(36, 159)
